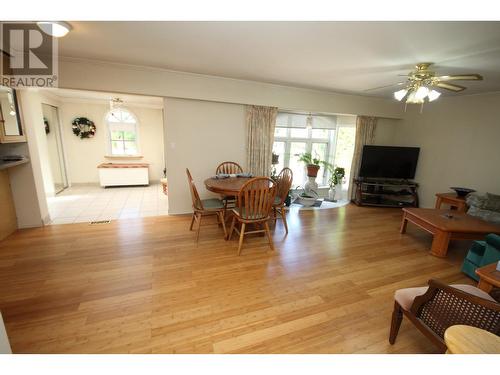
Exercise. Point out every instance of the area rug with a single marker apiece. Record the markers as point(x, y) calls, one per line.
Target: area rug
point(319, 205)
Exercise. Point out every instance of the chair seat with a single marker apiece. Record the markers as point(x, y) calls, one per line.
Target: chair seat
point(212, 204)
point(406, 296)
point(242, 215)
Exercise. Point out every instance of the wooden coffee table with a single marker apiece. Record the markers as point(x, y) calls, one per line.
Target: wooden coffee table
point(459, 226)
point(489, 277)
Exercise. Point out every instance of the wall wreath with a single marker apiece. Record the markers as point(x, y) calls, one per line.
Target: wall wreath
point(83, 127)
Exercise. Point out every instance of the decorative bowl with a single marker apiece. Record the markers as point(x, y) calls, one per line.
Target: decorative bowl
point(306, 201)
point(461, 191)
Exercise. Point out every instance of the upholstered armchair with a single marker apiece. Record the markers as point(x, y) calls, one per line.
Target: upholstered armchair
point(434, 308)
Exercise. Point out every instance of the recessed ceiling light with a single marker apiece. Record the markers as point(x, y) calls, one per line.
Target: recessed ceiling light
point(57, 29)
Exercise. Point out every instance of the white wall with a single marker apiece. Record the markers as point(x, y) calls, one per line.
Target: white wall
point(199, 136)
point(459, 140)
point(121, 78)
point(83, 155)
point(386, 131)
point(29, 213)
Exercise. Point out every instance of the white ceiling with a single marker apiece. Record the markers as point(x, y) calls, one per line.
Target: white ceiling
point(338, 56)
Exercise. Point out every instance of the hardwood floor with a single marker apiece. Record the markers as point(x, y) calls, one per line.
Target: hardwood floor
point(144, 286)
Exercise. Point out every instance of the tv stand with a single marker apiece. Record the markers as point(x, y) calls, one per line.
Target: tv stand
point(386, 192)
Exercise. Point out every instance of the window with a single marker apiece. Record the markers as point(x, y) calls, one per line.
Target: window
point(329, 138)
point(123, 134)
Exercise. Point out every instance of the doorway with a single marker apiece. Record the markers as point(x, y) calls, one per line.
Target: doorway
point(55, 147)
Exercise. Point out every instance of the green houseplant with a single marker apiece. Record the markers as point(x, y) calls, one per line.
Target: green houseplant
point(313, 164)
point(337, 175)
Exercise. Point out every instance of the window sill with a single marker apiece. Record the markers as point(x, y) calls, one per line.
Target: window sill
point(123, 156)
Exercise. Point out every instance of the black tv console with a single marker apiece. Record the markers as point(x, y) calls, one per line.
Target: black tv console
point(386, 193)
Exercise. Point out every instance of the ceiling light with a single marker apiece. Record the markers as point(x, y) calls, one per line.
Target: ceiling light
point(57, 29)
point(309, 122)
point(399, 95)
point(413, 98)
point(421, 93)
point(433, 95)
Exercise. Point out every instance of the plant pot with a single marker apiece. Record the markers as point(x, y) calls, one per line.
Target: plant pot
point(331, 193)
point(288, 200)
point(312, 170)
point(338, 192)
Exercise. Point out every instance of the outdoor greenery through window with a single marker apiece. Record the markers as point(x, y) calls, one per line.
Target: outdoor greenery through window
point(122, 127)
point(329, 138)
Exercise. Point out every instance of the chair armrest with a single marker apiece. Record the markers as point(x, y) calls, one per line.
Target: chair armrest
point(443, 306)
point(493, 240)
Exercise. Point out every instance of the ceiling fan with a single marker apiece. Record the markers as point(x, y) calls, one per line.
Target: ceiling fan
point(422, 83)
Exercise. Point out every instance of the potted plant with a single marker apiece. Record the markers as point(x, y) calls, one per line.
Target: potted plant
point(312, 164)
point(337, 175)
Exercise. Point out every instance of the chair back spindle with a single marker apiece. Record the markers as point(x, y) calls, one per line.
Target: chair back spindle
point(195, 197)
point(256, 198)
point(229, 167)
point(284, 183)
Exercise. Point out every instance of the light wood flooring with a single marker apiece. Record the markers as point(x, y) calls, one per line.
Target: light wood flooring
point(144, 286)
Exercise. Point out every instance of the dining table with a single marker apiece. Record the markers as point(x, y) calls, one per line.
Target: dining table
point(230, 186)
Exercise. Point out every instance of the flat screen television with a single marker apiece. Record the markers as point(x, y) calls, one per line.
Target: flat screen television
point(389, 162)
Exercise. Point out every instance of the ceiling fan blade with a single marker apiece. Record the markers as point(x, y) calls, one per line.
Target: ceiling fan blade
point(383, 87)
point(449, 86)
point(461, 77)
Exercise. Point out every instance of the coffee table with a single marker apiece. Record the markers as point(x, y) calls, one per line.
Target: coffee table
point(489, 277)
point(446, 225)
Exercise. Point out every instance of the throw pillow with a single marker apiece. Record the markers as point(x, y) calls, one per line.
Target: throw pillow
point(492, 202)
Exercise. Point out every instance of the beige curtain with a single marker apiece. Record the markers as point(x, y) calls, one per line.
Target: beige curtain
point(365, 135)
point(260, 138)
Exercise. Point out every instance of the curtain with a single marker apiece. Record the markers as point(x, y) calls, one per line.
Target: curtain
point(260, 137)
point(365, 135)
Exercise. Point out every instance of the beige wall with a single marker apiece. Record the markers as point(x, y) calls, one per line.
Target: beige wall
point(199, 136)
point(120, 78)
point(386, 131)
point(459, 140)
point(28, 213)
point(83, 155)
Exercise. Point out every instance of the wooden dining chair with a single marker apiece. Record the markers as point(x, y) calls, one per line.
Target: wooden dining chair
point(229, 167)
point(284, 183)
point(253, 206)
point(204, 207)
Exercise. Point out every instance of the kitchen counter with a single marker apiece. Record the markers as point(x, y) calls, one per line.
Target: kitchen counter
point(9, 164)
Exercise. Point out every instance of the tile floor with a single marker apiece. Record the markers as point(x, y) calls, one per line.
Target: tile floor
point(84, 203)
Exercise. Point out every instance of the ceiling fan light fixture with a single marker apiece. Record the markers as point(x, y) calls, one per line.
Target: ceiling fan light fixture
point(399, 95)
point(413, 99)
point(433, 95)
point(421, 93)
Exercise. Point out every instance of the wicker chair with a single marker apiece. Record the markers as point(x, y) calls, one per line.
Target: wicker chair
point(435, 308)
point(204, 207)
point(254, 204)
point(284, 182)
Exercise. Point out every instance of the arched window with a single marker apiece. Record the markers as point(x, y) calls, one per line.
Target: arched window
point(123, 132)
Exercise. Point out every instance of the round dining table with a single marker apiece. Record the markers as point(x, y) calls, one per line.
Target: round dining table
point(226, 186)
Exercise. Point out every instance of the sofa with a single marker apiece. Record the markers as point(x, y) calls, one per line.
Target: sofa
point(481, 254)
point(484, 206)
